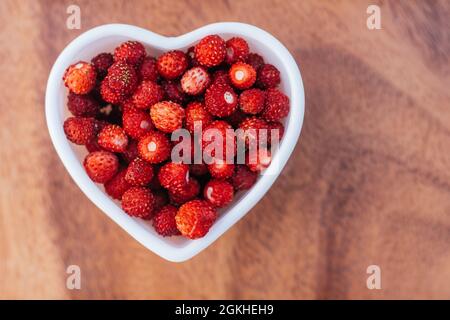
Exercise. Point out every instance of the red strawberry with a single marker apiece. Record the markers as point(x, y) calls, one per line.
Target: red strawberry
point(174, 92)
point(221, 77)
point(276, 106)
point(198, 169)
point(164, 221)
point(186, 193)
point(93, 145)
point(139, 172)
point(80, 130)
point(117, 186)
point(268, 76)
point(131, 52)
point(113, 138)
point(253, 131)
point(275, 125)
point(148, 70)
point(167, 116)
point(252, 101)
point(196, 114)
point(122, 78)
point(174, 176)
point(220, 100)
point(259, 160)
point(80, 77)
point(255, 60)
point(195, 218)
point(228, 139)
point(82, 105)
point(136, 123)
point(218, 193)
point(147, 94)
point(237, 50)
point(220, 169)
point(242, 75)
point(210, 51)
point(243, 178)
point(131, 152)
point(101, 166)
point(101, 63)
point(109, 95)
point(172, 64)
point(154, 147)
point(195, 81)
point(138, 202)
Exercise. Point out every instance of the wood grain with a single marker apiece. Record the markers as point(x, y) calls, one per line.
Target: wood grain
point(369, 181)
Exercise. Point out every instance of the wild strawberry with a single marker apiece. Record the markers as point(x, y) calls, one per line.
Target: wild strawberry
point(139, 172)
point(113, 138)
point(221, 77)
point(236, 118)
point(122, 78)
point(164, 221)
point(117, 186)
point(196, 114)
point(198, 169)
point(268, 76)
point(148, 70)
point(210, 51)
point(252, 101)
point(109, 95)
point(80, 130)
point(276, 106)
point(136, 123)
point(82, 105)
point(80, 77)
point(174, 92)
point(154, 147)
point(218, 193)
point(228, 139)
point(195, 81)
point(186, 193)
point(138, 202)
point(172, 64)
point(259, 160)
point(101, 166)
point(93, 145)
point(220, 169)
point(147, 94)
point(220, 100)
point(242, 75)
point(167, 116)
point(243, 178)
point(255, 60)
point(131, 152)
point(174, 176)
point(237, 50)
point(101, 63)
point(195, 218)
point(131, 52)
point(275, 125)
point(253, 130)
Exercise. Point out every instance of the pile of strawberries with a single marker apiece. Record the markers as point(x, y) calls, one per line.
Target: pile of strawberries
point(125, 106)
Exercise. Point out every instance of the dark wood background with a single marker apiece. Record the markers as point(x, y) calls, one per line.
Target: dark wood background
point(368, 183)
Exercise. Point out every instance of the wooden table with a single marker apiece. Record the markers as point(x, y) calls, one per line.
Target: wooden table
point(368, 183)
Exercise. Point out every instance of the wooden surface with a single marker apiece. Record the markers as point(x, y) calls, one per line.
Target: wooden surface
point(368, 183)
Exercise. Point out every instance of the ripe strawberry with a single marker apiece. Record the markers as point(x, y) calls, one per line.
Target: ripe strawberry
point(117, 186)
point(186, 193)
point(237, 50)
point(101, 63)
point(164, 221)
point(167, 116)
point(174, 92)
point(243, 178)
point(268, 76)
point(198, 169)
point(147, 94)
point(236, 118)
point(131, 152)
point(109, 95)
point(195, 218)
point(221, 77)
point(101, 166)
point(122, 78)
point(276, 106)
point(148, 70)
point(113, 138)
point(80, 77)
point(242, 75)
point(131, 52)
point(136, 123)
point(219, 193)
point(259, 160)
point(154, 147)
point(255, 60)
point(252, 101)
point(80, 130)
point(253, 130)
point(227, 136)
point(139, 172)
point(220, 169)
point(220, 100)
point(174, 176)
point(275, 125)
point(82, 105)
point(196, 114)
point(195, 81)
point(93, 145)
point(172, 64)
point(210, 51)
point(138, 202)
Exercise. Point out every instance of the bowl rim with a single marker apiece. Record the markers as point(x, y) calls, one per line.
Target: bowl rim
point(107, 205)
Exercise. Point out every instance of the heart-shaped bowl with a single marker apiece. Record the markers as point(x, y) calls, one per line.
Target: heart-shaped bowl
point(104, 39)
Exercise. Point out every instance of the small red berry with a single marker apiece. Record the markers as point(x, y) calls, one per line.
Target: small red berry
point(80, 130)
point(227, 135)
point(275, 125)
point(113, 138)
point(195, 218)
point(139, 172)
point(220, 100)
point(243, 178)
point(237, 50)
point(255, 60)
point(220, 169)
point(210, 51)
point(242, 75)
point(82, 105)
point(218, 193)
point(136, 123)
point(164, 221)
point(252, 101)
point(195, 81)
point(221, 77)
point(268, 76)
point(147, 94)
point(196, 114)
point(93, 145)
point(148, 70)
point(154, 147)
point(138, 202)
point(122, 78)
point(259, 160)
point(131, 152)
point(174, 176)
point(80, 77)
point(110, 95)
point(276, 106)
point(186, 193)
point(131, 52)
point(252, 131)
point(172, 64)
point(174, 92)
point(117, 186)
point(167, 116)
point(101, 63)
point(101, 166)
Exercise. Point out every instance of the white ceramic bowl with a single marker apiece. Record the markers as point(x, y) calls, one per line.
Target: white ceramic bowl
point(106, 38)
